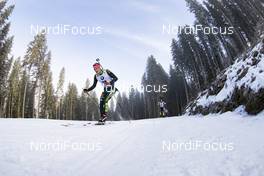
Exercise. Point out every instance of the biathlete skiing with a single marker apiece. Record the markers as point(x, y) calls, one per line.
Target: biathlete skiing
point(163, 110)
point(107, 79)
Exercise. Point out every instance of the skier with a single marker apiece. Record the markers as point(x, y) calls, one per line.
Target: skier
point(108, 79)
point(163, 110)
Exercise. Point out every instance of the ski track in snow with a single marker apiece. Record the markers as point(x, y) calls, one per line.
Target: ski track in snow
point(135, 147)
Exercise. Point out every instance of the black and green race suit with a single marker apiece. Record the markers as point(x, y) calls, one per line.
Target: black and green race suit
point(106, 76)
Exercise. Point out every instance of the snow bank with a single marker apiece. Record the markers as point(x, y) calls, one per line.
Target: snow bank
point(245, 75)
point(230, 144)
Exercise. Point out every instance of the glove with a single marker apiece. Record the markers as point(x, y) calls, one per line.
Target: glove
point(106, 83)
point(85, 90)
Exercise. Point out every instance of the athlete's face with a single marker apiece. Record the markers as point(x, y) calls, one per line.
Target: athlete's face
point(97, 70)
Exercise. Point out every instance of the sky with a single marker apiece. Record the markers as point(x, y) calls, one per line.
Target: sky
point(123, 34)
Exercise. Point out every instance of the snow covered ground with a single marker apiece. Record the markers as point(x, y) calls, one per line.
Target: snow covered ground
point(230, 144)
point(253, 79)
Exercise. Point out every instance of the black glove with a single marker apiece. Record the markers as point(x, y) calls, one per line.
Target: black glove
point(85, 90)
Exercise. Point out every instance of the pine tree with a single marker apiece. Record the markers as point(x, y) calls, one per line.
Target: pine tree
point(47, 99)
point(34, 62)
point(5, 48)
point(59, 93)
point(71, 102)
point(139, 105)
point(88, 105)
point(132, 102)
point(226, 39)
point(155, 78)
point(112, 114)
point(177, 93)
point(123, 107)
point(204, 18)
point(227, 19)
point(14, 97)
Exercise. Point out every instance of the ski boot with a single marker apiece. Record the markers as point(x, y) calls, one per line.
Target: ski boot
point(102, 119)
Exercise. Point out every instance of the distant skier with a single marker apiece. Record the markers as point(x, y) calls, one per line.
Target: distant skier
point(163, 110)
point(108, 79)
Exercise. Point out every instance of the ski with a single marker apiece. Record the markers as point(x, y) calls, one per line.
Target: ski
point(86, 124)
point(100, 123)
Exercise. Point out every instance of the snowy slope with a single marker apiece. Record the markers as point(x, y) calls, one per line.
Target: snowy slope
point(240, 84)
point(253, 78)
point(231, 144)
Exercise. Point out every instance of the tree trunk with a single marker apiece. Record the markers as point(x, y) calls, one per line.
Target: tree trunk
point(24, 100)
